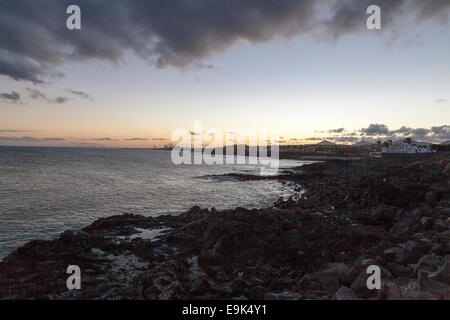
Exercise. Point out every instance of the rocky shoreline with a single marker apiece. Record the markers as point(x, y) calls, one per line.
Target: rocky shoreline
point(346, 215)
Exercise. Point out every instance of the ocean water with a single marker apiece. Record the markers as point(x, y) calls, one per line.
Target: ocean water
point(44, 191)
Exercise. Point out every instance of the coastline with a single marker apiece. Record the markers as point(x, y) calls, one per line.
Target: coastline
point(317, 245)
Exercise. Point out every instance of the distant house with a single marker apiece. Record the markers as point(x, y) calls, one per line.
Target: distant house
point(362, 143)
point(326, 143)
point(365, 145)
point(325, 146)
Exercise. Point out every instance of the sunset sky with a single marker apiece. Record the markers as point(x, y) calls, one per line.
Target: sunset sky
point(309, 69)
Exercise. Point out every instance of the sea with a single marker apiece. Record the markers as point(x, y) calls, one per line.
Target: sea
point(45, 191)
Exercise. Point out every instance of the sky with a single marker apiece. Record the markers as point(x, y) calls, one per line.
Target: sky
point(138, 70)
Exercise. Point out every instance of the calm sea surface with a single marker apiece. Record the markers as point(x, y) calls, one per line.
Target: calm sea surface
point(44, 191)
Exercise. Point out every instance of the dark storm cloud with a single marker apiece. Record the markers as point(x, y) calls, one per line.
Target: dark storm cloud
point(159, 139)
point(201, 66)
point(441, 130)
point(432, 9)
point(38, 95)
point(420, 132)
point(136, 139)
point(344, 139)
point(12, 97)
point(350, 14)
point(19, 68)
point(340, 130)
point(314, 139)
point(417, 132)
point(375, 130)
point(28, 139)
point(102, 139)
point(20, 139)
point(59, 100)
point(381, 131)
point(402, 130)
point(80, 94)
point(34, 39)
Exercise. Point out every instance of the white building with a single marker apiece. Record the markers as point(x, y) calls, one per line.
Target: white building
point(407, 148)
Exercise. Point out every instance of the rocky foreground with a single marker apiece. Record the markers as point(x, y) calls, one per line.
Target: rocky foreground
point(345, 216)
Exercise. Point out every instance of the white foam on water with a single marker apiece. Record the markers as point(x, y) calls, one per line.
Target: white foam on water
point(148, 234)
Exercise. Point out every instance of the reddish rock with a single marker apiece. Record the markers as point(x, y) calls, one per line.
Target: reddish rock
point(443, 163)
point(436, 289)
point(442, 275)
point(446, 170)
point(414, 294)
point(431, 197)
point(307, 282)
point(392, 291)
